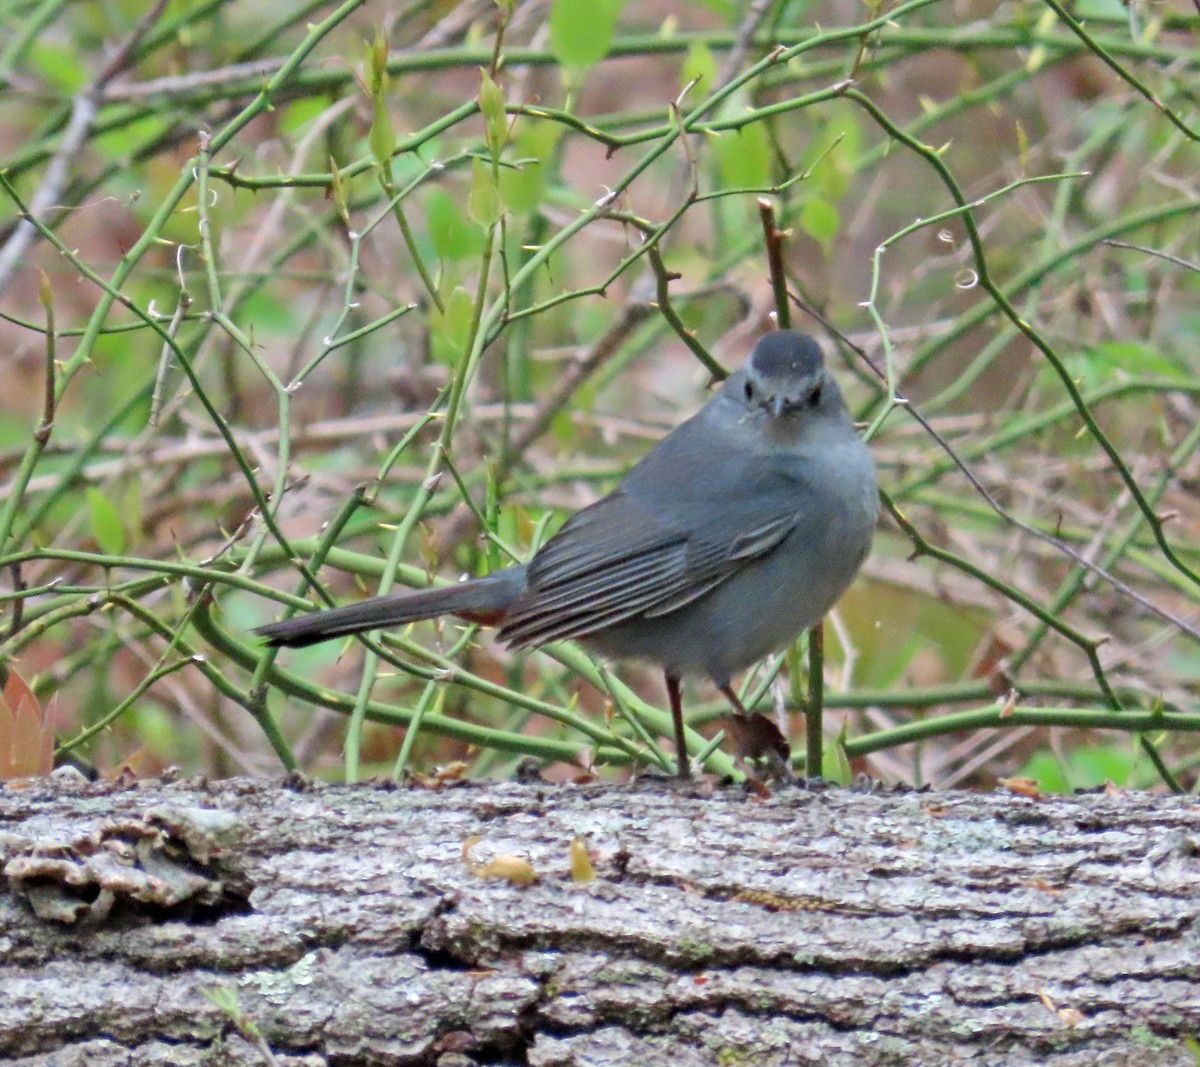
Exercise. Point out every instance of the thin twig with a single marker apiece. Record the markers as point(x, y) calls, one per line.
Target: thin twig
point(462, 523)
point(84, 109)
point(774, 238)
point(747, 28)
point(1179, 262)
point(1097, 49)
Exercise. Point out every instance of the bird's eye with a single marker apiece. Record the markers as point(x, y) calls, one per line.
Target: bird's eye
point(749, 391)
point(814, 398)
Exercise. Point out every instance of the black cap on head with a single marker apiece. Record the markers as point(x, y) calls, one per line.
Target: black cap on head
point(786, 354)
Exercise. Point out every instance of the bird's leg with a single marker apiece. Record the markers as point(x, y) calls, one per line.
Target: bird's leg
point(754, 735)
point(675, 695)
point(727, 692)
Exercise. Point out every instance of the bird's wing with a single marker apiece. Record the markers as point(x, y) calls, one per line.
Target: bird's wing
point(620, 559)
point(712, 561)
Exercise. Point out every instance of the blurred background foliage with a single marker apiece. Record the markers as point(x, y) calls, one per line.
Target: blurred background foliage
point(363, 293)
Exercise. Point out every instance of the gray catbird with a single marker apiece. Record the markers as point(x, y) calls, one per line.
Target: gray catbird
point(737, 531)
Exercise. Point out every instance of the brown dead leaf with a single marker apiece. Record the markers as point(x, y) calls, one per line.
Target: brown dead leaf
point(142, 762)
point(1023, 787)
point(756, 737)
point(26, 731)
point(440, 776)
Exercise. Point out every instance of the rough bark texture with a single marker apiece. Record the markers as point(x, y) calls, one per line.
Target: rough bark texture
point(831, 927)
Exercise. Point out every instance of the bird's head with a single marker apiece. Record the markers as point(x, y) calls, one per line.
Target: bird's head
point(785, 377)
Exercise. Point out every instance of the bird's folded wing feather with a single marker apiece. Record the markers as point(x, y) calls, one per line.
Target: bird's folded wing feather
point(712, 562)
point(620, 559)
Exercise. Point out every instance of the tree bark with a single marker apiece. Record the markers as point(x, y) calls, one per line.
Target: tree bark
point(248, 922)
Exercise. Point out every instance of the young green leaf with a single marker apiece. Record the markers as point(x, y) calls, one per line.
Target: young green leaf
point(451, 233)
point(819, 219)
point(699, 66)
point(382, 137)
point(744, 157)
point(522, 187)
point(378, 62)
point(452, 328)
point(106, 525)
point(338, 190)
point(491, 103)
point(581, 32)
point(483, 201)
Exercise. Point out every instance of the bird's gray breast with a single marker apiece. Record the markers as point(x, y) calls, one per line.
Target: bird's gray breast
point(771, 600)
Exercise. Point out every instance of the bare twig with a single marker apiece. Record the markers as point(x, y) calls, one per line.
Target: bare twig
point(83, 114)
point(746, 30)
point(1177, 260)
point(462, 523)
point(774, 238)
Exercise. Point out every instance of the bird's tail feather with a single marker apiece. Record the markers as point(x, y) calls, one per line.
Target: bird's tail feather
point(482, 600)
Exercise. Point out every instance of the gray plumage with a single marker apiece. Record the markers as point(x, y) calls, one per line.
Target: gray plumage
point(736, 532)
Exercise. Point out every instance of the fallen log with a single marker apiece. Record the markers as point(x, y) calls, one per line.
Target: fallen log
point(296, 923)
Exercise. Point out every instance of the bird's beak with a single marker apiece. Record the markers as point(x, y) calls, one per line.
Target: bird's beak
point(778, 405)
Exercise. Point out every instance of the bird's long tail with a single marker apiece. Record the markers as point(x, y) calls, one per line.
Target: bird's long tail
point(482, 600)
